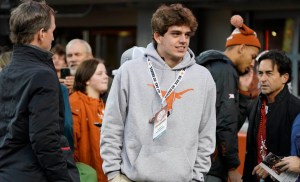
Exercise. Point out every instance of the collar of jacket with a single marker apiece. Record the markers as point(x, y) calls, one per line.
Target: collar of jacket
point(278, 98)
point(32, 53)
point(88, 100)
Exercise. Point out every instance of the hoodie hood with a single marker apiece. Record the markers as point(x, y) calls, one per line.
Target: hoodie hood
point(157, 61)
point(211, 55)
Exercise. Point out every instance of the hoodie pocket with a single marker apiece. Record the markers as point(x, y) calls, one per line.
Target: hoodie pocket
point(161, 163)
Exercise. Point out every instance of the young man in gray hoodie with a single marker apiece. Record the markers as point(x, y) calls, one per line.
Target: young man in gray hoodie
point(159, 122)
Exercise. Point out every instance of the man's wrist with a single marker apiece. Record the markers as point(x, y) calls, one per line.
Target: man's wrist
point(112, 175)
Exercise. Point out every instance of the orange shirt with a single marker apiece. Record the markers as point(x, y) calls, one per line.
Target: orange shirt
point(85, 112)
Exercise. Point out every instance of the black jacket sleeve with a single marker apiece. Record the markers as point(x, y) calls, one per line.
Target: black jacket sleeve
point(245, 102)
point(227, 107)
point(44, 129)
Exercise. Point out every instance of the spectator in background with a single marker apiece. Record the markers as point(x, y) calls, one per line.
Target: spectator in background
point(272, 115)
point(292, 163)
point(4, 49)
point(242, 47)
point(91, 81)
point(59, 58)
point(5, 59)
point(32, 145)
point(289, 164)
point(59, 61)
point(131, 53)
point(179, 96)
point(77, 51)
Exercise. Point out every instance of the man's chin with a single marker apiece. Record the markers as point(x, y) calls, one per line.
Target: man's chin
point(265, 91)
point(73, 70)
point(242, 73)
point(246, 71)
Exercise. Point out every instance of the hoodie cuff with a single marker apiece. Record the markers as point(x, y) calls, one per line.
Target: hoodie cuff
point(199, 178)
point(112, 175)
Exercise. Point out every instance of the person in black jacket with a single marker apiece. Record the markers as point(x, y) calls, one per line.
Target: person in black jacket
point(272, 115)
point(32, 145)
point(242, 47)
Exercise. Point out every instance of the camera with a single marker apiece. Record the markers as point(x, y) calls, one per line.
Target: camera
point(64, 72)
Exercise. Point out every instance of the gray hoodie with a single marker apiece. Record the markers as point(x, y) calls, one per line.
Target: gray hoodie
point(183, 152)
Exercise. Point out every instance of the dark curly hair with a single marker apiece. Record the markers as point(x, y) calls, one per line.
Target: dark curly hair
point(174, 14)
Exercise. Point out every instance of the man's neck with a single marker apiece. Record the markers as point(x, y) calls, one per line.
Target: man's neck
point(270, 100)
point(272, 97)
point(230, 56)
point(168, 59)
point(172, 63)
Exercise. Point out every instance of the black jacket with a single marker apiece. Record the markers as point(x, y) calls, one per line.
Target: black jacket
point(280, 117)
point(230, 105)
point(32, 145)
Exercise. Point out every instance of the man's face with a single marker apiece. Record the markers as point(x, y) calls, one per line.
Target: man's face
point(271, 82)
point(47, 35)
point(174, 43)
point(246, 59)
point(76, 54)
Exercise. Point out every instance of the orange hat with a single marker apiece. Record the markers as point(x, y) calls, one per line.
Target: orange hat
point(242, 34)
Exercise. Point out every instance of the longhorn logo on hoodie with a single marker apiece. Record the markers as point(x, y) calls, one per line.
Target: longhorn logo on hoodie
point(173, 96)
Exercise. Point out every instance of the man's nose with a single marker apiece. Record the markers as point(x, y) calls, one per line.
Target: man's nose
point(263, 77)
point(71, 59)
point(183, 38)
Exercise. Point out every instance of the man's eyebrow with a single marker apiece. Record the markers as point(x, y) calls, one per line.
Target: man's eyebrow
point(175, 31)
point(179, 31)
point(265, 71)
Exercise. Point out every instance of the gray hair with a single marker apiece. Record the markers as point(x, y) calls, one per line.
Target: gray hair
point(81, 41)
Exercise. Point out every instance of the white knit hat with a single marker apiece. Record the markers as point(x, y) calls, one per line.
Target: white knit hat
point(129, 54)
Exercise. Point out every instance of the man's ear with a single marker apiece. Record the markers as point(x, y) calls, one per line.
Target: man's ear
point(90, 56)
point(41, 34)
point(156, 37)
point(241, 48)
point(284, 78)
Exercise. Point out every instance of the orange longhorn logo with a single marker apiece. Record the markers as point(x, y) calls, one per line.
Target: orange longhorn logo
point(173, 96)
